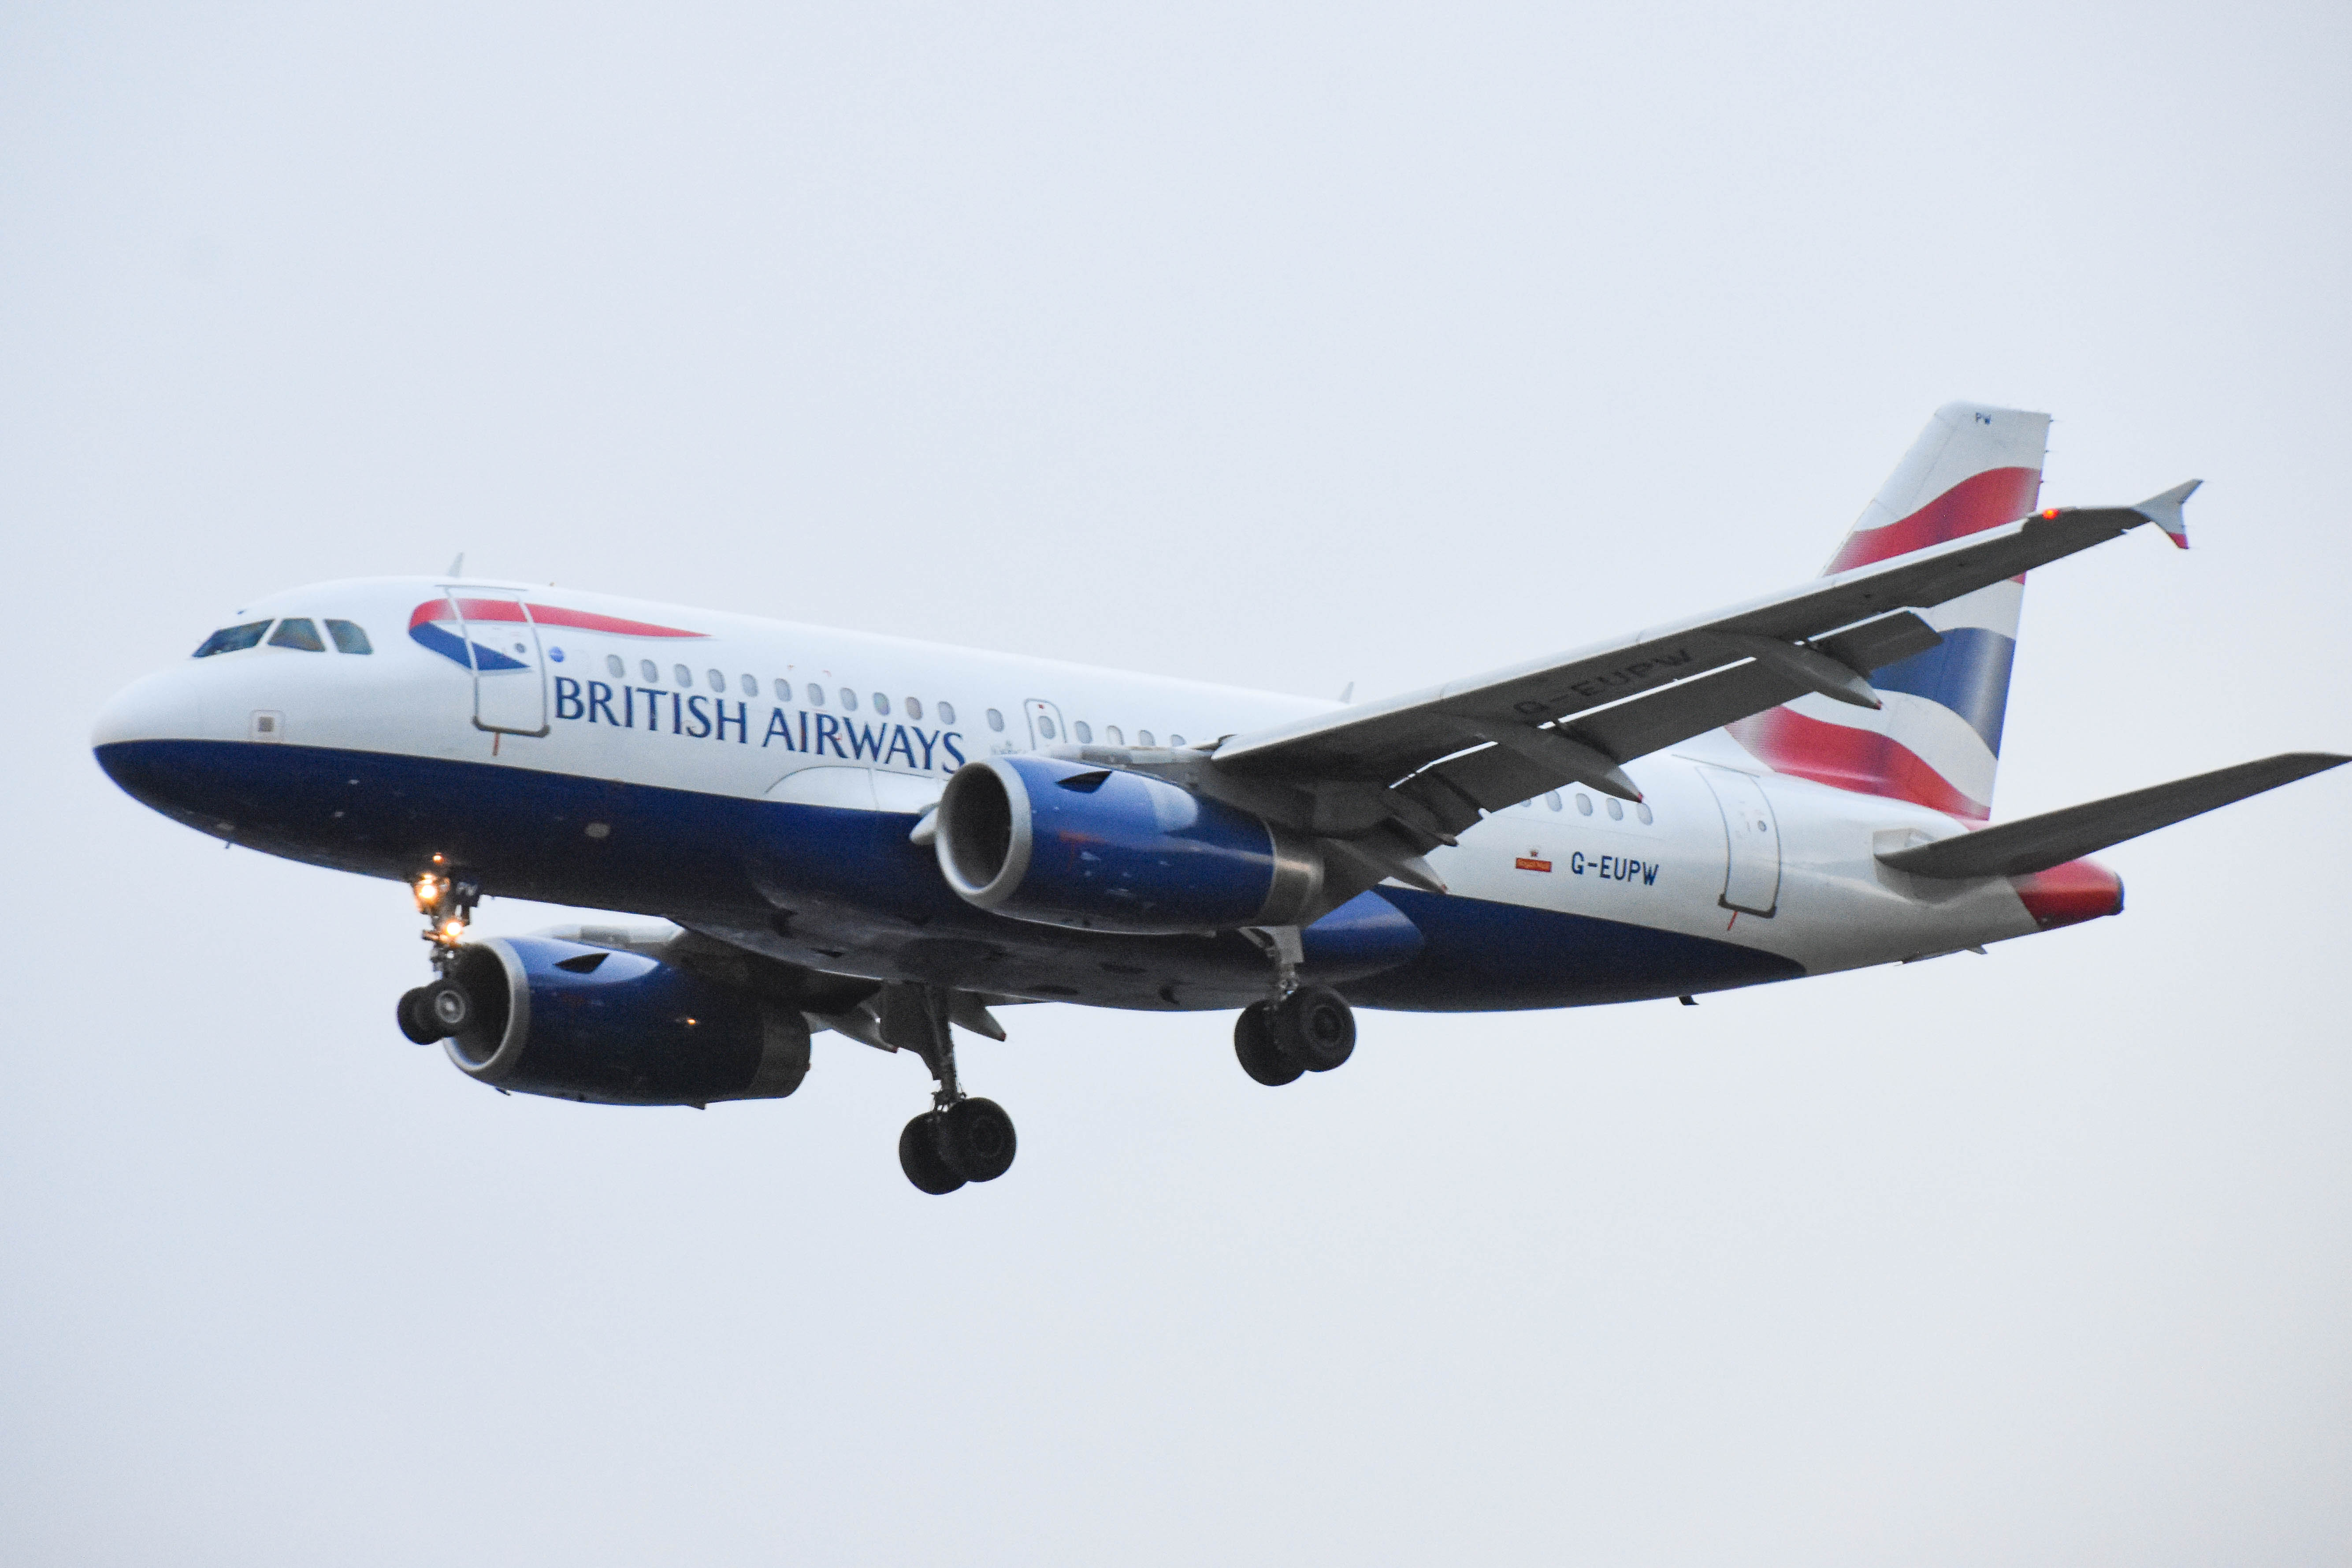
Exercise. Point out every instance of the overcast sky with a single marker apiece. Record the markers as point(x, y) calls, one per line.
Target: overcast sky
point(1283, 345)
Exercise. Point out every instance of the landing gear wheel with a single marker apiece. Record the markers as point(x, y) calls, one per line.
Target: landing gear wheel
point(1315, 1028)
point(1261, 1056)
point(416, 1021)
point(919, 1156)
point(975, 1139)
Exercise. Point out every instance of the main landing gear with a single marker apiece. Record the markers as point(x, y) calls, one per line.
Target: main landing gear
point(443, 1008)
point(1301, 1029)
point(961, 1139)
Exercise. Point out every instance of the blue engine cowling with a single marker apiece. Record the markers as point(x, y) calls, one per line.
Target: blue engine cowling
point(1101, 849)
point(576, 1021)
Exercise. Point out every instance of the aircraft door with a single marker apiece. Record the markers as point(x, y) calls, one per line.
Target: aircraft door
point(1046, 726)
point(510, 672)
point(1751, 878)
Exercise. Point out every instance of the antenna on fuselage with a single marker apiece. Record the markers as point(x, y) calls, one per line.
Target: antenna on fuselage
point(457, 567)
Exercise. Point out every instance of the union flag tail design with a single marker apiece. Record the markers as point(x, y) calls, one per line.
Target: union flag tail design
point(1936, 742)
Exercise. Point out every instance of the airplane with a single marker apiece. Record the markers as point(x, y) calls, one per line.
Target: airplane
point(891, 840)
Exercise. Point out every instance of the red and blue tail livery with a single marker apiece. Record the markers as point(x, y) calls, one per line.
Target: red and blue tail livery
point(805, 833)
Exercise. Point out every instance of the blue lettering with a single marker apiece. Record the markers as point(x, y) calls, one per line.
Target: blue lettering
point(742, 721)
point(899, 744)
point(1649, 873)
point(776, 726)
point(804, 746)
point(567, 698)
point(1576, 863)
point(864, 739)
point(949, 741)
point(701, 716)
point(928, 742)
point(599, 696)
point(828, 730)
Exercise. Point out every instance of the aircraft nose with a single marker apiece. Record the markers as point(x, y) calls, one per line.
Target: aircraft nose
point(158, 707)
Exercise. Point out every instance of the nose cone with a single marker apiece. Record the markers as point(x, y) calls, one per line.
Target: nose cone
point(159, 707)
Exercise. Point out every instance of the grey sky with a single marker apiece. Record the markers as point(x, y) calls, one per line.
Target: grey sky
point(1284, 346)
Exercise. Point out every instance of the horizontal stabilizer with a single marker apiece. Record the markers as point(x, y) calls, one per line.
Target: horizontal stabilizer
point(2038, 843)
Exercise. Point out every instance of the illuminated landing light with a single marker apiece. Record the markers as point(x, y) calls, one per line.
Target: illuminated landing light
point(2049, 513)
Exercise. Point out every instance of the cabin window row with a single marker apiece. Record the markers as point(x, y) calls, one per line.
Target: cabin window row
point(297, 632)
point(813, 695)
point(1083, 733)
point(1584, 806)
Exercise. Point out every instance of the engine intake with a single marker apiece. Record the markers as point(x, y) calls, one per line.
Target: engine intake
point(576, 1021)
point(1059, 843)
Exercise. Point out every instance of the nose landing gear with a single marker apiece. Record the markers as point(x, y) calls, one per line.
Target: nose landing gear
point(961, 1139)
point(436, 1011)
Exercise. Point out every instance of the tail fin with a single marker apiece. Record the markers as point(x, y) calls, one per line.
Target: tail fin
point(1936, 742)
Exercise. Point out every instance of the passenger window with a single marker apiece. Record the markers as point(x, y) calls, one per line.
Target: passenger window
point(947, 712)
point(685, 676)
point(1644, 812)
point(232, 639)
point(783, 689)
point(1086, 733)
point(1552, 800)
point(349, 637)
point(718, 682)
point(881, 703)
point(614, 668)
point(849, 699)
point(914, 707)
point(1616, 809)
point(1110, 733)
point(995, 720)
point(816, 694)
point(649, 672)
point(297, 632)
point(1044, 726)
point(750, 684)
point(1175, 740)
point(1584, 805)
point(1143, 738)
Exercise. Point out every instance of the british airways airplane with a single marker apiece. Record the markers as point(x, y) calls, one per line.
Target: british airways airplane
point(889, 839)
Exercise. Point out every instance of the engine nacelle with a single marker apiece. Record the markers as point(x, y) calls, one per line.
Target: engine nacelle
point(1102, 849)
point(576, 1021)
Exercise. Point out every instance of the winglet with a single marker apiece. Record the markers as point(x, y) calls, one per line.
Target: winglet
point(2164, 510)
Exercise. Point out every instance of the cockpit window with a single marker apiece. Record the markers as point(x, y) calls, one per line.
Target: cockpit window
point(233, 640)
point(297, 631)
point(349, 637)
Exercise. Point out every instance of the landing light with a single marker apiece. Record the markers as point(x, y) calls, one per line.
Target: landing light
point(2048, 513)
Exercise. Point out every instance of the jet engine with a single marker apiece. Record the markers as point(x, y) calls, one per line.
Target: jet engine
point(1102, 849)
point(540, 1015)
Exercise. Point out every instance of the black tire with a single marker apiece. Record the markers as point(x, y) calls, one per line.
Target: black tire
point(1315, 1028)
point(448, 1007)
point(976, 1140)
point(919, 1156)
point(1260, 1054)
point(414, 1021)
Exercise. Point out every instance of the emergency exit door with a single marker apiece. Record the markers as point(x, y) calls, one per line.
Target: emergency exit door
point(1751, 873)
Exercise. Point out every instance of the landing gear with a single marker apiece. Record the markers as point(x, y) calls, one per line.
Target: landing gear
point(1302, 1029)
point(436, 1012)
point(1311, 1030)
point(959, 1139)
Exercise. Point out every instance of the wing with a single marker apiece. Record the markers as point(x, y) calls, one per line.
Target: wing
point(1432, 760)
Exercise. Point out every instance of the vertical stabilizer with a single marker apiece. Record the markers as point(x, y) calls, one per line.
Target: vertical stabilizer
point(1936, 742)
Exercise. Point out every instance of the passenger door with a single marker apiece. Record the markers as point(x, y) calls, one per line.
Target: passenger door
point(1751, 877)
point(509, 673)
